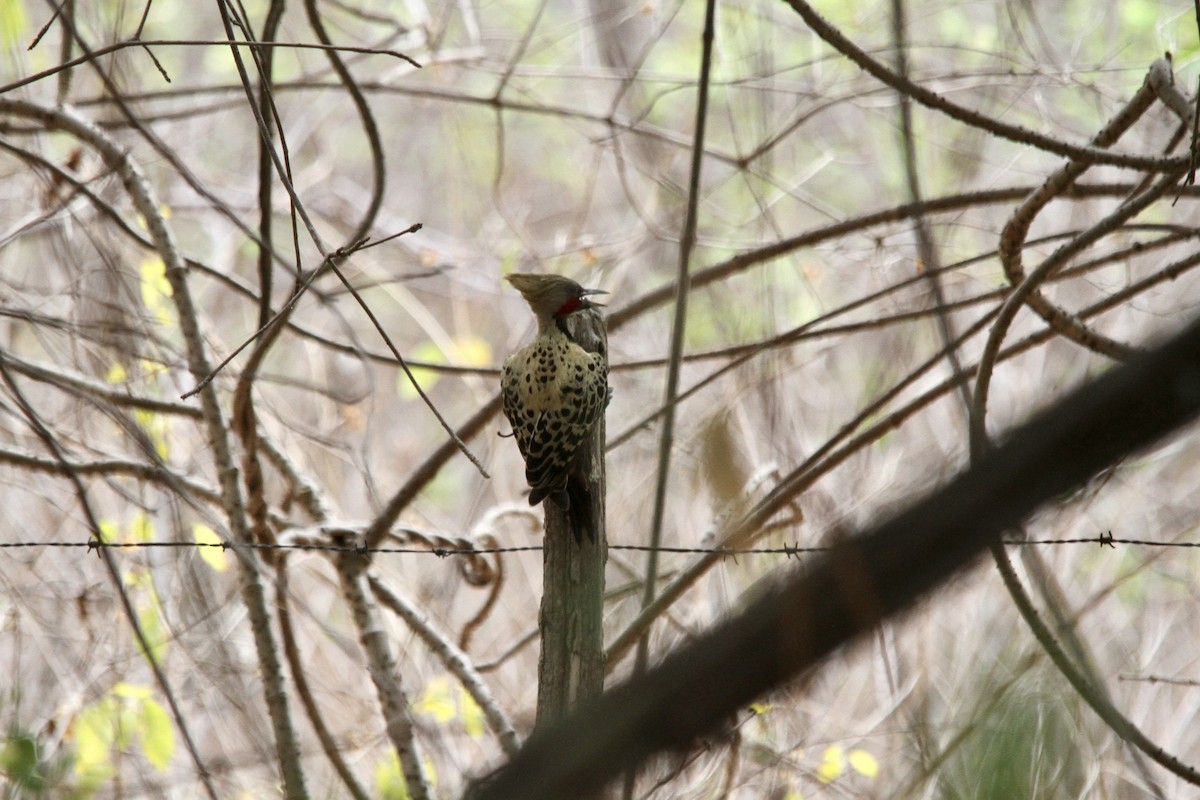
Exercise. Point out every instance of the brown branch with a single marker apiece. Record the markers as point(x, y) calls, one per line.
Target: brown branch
point(1012, 238)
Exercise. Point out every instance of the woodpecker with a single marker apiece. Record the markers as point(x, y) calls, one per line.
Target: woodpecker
point(554, 391)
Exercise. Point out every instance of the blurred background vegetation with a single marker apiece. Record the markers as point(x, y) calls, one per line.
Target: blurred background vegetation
point(541, 136)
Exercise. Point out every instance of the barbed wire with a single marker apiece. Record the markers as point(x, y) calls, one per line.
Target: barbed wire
point(1104, 539)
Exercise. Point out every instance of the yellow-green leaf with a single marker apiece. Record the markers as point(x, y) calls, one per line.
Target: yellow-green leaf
point(163, 209)
point(155, 286)
point(832, 765)
point(116, 373)
point(151, 368)
point(126, 724)
point(437, 701)
point(473, 351)
point(109, 530)
point(93, 732)
point(137, 578)
point(430, 353)
point(150, 622)
point(863, 763)
point(213, 556)
point(132, 691)
point(158, 734)
point(12, 21)
point(465, 351)
point(156, 290)
point(155, 426)
point(471, 713)
point(141, 528)
point(389, 780)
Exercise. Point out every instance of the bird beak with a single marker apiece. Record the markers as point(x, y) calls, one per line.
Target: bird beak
point(588, 303)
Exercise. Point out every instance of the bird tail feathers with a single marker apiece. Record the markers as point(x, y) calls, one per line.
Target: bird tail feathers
point(576, 500)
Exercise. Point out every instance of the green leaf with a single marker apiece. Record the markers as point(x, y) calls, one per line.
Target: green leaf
point(19, 763)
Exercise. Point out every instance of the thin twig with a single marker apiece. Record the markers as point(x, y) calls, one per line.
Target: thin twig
point(284, 313)
point(679, 324)
point(930, 263)
point(135, 42)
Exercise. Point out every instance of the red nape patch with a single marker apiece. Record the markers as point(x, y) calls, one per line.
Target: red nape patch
point(568, 307)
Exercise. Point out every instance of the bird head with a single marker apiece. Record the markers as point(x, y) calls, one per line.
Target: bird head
point(553, 296)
